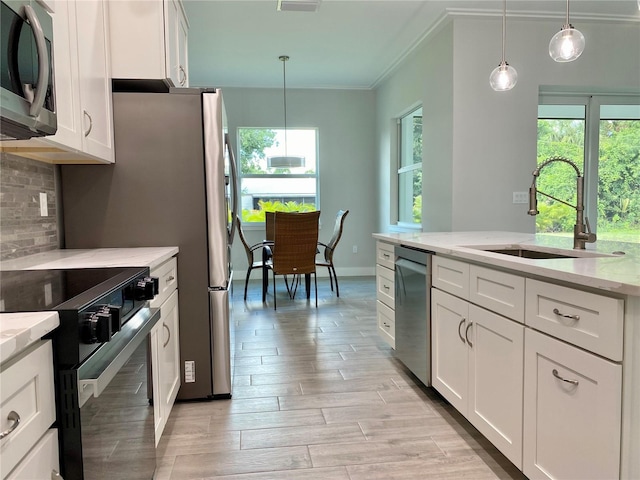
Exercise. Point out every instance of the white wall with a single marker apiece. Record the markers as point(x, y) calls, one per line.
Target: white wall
point(480, 145)
point(346, 123)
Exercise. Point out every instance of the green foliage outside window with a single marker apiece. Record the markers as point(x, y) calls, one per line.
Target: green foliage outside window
point(277, 206)
point(618, 176)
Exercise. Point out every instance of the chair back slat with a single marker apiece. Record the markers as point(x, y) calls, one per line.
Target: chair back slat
point(295, 241)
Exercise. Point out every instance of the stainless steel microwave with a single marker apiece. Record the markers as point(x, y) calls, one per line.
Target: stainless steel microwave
point(27, 97)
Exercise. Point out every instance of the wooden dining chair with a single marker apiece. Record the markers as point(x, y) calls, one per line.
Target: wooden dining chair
point(330, 247)
point(294, 248)
point(252, 261)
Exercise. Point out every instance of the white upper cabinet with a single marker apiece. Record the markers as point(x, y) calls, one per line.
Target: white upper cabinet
point(83, 89)
point(149, 41)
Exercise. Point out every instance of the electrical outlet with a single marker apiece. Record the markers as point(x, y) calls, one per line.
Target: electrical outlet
point(520, 197)
point(44, 210)
point(190, 371)
point(355, 249)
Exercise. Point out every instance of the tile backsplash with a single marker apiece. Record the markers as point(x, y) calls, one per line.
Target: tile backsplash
point(23, 228)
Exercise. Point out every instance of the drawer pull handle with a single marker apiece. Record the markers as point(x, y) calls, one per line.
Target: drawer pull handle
point(12, 417)
point(459, 333)
point(385, 255)
point(466, 334)
point(385, 324)
point(564, 315)
point(55, 475)
point(386, 287)
point(557, 375)
point(170, 278)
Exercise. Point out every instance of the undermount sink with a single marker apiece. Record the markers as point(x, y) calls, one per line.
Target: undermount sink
point(517, 251)
point(525, 253)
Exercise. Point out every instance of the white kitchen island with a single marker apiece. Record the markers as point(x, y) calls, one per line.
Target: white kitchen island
point(542, 355)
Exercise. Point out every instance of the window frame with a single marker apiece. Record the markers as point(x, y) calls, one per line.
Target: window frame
point(408, 169)
point(248, 224)
point(592, 104)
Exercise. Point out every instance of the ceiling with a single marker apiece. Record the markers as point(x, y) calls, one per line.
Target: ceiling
point(345, 43)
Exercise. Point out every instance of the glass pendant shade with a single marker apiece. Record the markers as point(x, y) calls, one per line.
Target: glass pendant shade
point(567, 44)
point(504, 77)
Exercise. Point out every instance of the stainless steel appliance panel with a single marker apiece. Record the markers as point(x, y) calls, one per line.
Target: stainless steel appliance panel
point(156, 194)
point(413, 311)
point(27, 94)
point(221, 342)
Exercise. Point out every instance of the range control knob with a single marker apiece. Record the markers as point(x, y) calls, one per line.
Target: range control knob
point(96, 326)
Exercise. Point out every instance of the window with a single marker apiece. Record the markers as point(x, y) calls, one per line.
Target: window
point(410, 169)
point(268, 182)
point(601, 134)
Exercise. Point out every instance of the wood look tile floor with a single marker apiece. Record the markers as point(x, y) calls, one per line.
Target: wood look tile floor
point(317, 395)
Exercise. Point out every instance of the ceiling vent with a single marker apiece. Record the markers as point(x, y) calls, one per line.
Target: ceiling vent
point(298, 5)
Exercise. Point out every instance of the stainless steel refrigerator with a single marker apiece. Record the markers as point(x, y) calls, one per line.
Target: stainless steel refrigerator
point(173, 183)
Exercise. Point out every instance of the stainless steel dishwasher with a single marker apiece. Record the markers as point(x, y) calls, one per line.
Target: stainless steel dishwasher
point(413, 310)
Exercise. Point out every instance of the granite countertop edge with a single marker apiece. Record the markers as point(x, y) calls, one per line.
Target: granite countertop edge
point(614, 273)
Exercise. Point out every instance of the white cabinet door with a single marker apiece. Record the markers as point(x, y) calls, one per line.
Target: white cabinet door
point(95, 78)
point(169, 354)
point(496, 358)
point(83, 86)
point(449, 356)
point(572, 412)
point(176, 40)
point(165, 363)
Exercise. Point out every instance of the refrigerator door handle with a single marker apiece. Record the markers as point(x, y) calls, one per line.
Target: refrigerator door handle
point(234, 188)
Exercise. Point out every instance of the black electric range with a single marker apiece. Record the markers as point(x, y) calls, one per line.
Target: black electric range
point(105, 321)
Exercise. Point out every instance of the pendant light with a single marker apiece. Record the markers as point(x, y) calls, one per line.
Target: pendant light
point(504, 76)
point(567, 44)
point(286, 161)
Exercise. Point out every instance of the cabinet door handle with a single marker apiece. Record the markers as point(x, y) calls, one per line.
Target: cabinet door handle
point(168, 335)
point(564, 315)
point(12, 417)
point(55, 475)
point(86, 134)
point(466, 334)
point(557, 375)
point(459, 333)
point(183, 76)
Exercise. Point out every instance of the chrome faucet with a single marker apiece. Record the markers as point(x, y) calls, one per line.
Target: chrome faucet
point(581, 235)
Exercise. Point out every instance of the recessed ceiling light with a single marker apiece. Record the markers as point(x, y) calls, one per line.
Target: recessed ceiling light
point(298, 5)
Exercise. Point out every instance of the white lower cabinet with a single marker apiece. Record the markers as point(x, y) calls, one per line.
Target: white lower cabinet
point(572, 412)
point(165, 346)
point(385, 292)
point(478, 367)
point(27, 411)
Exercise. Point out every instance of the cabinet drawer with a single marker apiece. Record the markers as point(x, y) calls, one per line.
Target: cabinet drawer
point(500, 292)
point(385, 286)
point(588, 320)
point(385, 255)
point(27, 389)
point(571, 430)
point(451, 276)
point(167, 274)
point(386, 323)
point(41, 462)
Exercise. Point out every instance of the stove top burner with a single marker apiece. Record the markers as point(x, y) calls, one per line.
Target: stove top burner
point(73, 289)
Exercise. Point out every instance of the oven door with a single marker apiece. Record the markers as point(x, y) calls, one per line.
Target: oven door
point(27, 96)
point(109, 432)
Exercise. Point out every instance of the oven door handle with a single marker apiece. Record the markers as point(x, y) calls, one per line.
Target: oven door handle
point(95, 374)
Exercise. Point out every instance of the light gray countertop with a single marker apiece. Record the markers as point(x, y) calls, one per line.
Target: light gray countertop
point(19, 330)
point(614, 273)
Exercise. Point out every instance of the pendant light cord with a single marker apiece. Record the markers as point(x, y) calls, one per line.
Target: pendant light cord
point(284, 59)
point(504, 28)
point(567, 22)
